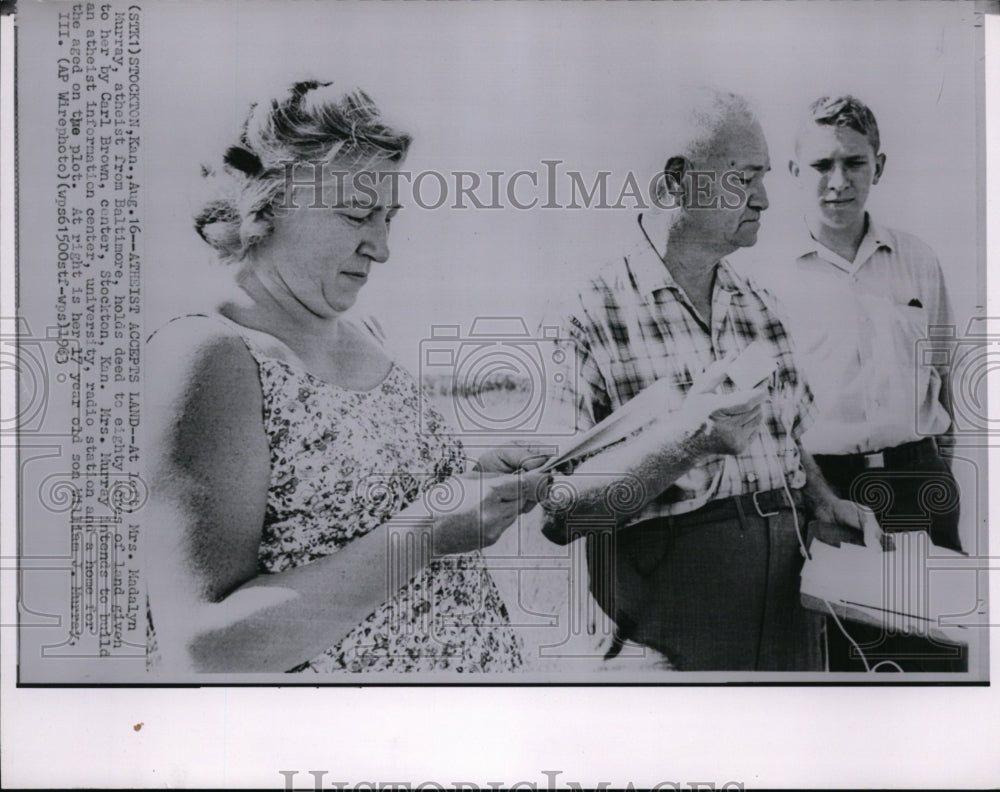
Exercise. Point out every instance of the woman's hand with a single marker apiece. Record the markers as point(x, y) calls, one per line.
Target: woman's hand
point(471, 512)
point(516, 455)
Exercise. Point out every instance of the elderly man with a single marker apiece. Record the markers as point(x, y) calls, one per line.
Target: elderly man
point(705, 559)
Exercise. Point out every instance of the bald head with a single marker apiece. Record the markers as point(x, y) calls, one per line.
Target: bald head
point(696, 133)
point(713, 158)
point(702, 119)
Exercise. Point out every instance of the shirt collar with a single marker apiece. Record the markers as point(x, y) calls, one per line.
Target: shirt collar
point(646, 259)
point(652, 275)
point(877, 236)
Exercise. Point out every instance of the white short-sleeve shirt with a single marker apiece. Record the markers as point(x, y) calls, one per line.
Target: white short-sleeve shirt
point(860, 329)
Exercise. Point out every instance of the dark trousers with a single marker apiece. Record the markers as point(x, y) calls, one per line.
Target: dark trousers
point(717, 589)
point(914, 490)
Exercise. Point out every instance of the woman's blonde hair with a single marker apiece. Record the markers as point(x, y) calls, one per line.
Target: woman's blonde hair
point(314, 122)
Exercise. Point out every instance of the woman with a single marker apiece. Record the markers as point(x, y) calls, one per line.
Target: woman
point(308, 511)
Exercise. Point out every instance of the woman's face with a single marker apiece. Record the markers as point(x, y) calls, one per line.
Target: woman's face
point(322, 252)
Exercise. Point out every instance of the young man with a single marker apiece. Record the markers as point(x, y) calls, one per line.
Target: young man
point(860, 298)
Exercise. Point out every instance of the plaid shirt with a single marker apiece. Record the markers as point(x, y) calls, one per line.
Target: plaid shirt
point(633, 325)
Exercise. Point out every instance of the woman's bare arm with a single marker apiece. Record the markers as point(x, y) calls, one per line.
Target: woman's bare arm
point(210, 472)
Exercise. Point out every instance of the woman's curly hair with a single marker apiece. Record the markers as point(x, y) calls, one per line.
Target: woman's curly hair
point(313, 123)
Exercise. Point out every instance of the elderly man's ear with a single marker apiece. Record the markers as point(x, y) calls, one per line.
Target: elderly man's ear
point(671, 192)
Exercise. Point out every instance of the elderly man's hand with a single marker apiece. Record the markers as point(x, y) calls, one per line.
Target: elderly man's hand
point(852, 515)
point(733, 419)
point(729, 420)
point(726, 422)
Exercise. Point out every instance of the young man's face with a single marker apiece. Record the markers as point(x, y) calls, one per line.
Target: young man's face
point(836, 167)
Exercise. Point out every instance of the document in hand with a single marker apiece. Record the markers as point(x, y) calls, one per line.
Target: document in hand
point(631, 416)
point(750, 369)
point(918, 588)
point(753, 366)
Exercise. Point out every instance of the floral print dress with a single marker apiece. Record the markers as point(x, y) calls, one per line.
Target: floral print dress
point(342, 463)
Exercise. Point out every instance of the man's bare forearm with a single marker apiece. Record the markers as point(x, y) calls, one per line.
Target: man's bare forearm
point(816, 490)
point(624, 479)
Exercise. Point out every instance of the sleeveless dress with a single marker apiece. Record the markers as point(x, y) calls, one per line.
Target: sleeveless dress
point(342, 463)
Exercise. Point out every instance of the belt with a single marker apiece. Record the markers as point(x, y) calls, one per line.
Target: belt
point(900, 456)
point(754, 504)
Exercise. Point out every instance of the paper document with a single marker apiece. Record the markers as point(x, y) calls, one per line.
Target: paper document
point(749, 369)
point(753, 366)
point(634, 414)
point(918, 588)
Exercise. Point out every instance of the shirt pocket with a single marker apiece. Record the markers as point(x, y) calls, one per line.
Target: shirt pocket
point(920, 382)
point(893, 331)
point(910, 326)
